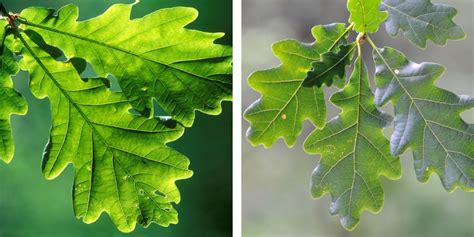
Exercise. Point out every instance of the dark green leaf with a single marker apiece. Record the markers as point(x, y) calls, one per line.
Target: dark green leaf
point(331, 67)
point(427, 119)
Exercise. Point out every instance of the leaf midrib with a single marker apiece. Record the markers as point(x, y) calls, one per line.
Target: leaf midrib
point(91, 124)
point(292, 96)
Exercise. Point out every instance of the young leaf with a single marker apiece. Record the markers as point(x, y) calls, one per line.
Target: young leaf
point(427, 119)
point(331, 67)
point(11, 102)
point(365, 15)
point(354, 152)
point(420, 20)
point(285, 102)
point(151, 57)
point(122, 164)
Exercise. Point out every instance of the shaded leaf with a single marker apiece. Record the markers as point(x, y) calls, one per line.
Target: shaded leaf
point(420, 20)
point(427, 119)
point(285, 102)
point(331, 67)
point(151, 57)
point(354, 152)
point(365, 15)
point(122, 164)
point(11, 101)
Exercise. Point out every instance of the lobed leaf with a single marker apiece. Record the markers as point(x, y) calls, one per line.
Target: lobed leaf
point(420, 20)
point(354, 152)
point(117, 169)
point(285, 102)
point(153, 57)
point(331, 67)
point(11, 101)
point(427, 119)
point(365, 15)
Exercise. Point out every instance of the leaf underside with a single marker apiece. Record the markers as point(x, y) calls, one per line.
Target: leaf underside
point(117, 169)
point(153, 57)
point(420, 20)
point(427, 119)
point(354, 152)
point(285, 102)
point(365, 15)
point(11, 102)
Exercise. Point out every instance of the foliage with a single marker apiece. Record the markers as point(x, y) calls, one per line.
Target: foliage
point(354, 152)
point(122, 163)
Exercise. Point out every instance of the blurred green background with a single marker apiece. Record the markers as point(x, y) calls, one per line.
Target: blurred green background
point(32, 206)
point(276, 197)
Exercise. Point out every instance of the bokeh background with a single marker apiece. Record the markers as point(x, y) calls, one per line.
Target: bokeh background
point(32, 206)
point(276, 197)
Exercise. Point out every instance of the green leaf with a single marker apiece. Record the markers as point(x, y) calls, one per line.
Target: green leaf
point(331, 67)
point(354, 152)
point(420, 20)
point(151, 57)
point(365, 15)
point(122, 164)
point(285, 102)
point(11, 102)
point(427, 119)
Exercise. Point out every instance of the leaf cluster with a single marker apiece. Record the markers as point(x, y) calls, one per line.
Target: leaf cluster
point(354, 151)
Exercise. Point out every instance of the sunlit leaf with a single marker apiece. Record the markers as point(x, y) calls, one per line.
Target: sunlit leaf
point(11, 102)
point(151, 57)
point(365, 15)
point(122, 163)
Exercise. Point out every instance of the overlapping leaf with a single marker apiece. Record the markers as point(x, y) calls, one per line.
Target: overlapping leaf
point(331, 67)
point(365, 15)
point(122, 164)
point(285, 102)
point(152, 57)
point(420, 20)
point(11, 102)
point(427, 119)
point(354, 152)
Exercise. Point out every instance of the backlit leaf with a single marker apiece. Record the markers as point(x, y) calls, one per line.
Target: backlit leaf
point(122, 164)
point(151, 57)
point(365, 15)
point(11, 102)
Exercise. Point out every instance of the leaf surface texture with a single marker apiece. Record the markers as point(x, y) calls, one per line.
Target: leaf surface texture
point(427, 119)
point(421, 20)
point(365, 15)
point(354, 152)
point(121, 161)
point(285, 102)
point(153, 57)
